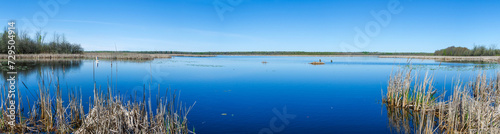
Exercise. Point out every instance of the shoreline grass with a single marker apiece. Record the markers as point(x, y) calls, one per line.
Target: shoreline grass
point(107, 113)
point(413, 106)
point(113, 56)
point(488, 59)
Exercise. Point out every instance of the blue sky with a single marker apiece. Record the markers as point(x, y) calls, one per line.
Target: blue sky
point(261, 25)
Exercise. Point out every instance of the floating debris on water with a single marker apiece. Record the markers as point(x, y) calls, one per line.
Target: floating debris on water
point(200, 65)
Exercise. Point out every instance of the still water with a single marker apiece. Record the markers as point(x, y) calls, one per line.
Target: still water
point(241, 94)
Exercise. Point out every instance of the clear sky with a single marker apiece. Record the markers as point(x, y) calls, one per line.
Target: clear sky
point(262, 25)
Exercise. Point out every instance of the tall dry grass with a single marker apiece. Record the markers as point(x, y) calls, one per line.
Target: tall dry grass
point(107, 113)
point(417, 96)
point(413, 107)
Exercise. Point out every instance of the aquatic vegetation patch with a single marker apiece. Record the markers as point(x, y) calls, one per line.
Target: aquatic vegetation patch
point(413, 106)
point(107, 113)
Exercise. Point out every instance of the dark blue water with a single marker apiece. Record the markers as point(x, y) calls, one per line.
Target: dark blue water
point(237, 94)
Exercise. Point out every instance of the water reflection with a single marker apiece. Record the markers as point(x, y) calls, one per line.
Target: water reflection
point(407, 121)
point(27, 67)
point(230, 84)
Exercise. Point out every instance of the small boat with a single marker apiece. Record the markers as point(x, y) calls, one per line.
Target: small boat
point(96, 60)
point(317, 63)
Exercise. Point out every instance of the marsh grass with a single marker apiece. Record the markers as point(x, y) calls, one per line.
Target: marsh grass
point(109, 56)
point(413, 106)
point(105, 55)
point(107, 113)
point(405, 91)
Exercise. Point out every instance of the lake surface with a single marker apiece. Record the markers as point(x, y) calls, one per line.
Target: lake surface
point(240, 94)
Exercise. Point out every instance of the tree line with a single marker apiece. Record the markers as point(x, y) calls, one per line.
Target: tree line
point(478, 50)
point(27, 45)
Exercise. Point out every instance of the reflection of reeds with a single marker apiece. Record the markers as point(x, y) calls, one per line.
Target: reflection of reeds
point(472, 108)
point(106, 114)
point(403, 120)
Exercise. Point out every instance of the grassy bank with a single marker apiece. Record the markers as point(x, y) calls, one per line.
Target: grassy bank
point(107, 112)
point(117, 56)
point(414, 107)
point(495, 59)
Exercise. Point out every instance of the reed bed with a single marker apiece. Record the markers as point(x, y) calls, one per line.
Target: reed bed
point(107, 113)
point(113, 56)
point(493, 59)
point(117, 56)
point(413, 106)
point(402, 93)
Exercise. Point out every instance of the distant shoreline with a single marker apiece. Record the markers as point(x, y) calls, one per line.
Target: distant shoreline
point(448, 58)
point(119, 56)
point(437, 58)
point(143, 56)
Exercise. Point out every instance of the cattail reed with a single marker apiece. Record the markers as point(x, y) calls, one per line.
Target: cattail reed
point(413, 107)
point(106, 113)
